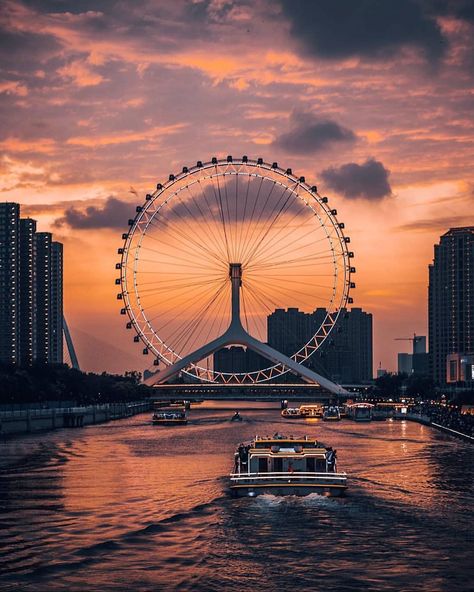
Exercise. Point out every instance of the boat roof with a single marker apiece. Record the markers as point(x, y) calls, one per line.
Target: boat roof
point(285, 441)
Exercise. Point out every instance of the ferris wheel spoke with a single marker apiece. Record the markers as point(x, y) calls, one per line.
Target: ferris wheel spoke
point(302, 209)
point(219, 314)
point(272, 256)
point(179, 314)
point(222, 255)
point(203, 246)
point(271, 264)
point(229, 220)
point(261, 298)
point(221, 210)
point(270, 287)
point(192, 261)
point(250, 221)
point(185, 281)
point(259, 321)
point(287, 249)
point(217, 235)
point(243, 219)
point(176, 289)
point(279, 208)
point(194, 299)
point(291, 333)
point(255, 233)
point(178, 233)
point(188, 237)
point(192, 334)
point(286, 245)
point(294, 281)
point(188, 329)
point(277, 238)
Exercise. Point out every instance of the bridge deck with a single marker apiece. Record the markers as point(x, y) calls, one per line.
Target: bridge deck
point(254, 392)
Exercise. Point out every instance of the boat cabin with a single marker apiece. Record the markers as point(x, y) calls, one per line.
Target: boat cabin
point(282, 454)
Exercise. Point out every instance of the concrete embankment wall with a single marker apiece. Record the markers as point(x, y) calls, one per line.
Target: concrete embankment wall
point(35, 420)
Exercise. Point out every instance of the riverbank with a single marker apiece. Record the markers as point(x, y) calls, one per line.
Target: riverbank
point(26, 421)
point(425, 420)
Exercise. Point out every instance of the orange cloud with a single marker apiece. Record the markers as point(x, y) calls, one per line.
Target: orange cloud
point(11, 87)
point(80, 73)
point(125, 137)
point(41, 145)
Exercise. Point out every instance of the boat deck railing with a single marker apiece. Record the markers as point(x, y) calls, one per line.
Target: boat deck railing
point(286, 476)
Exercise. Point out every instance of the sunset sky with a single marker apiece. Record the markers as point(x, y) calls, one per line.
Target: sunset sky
point(372, 101)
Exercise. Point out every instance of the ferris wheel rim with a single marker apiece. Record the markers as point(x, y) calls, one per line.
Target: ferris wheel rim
point(330, 318)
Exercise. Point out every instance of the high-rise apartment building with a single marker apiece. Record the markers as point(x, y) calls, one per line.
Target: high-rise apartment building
point(9, 282)
point(345, 357)
point(27, 291)
point(43, 296)
point(451, 299)
point(56, 316)
point(31, 292)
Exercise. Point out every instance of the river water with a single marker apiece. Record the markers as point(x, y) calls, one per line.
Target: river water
point(131, 506)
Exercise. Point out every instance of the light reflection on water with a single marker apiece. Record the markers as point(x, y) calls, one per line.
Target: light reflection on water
point(131, 505)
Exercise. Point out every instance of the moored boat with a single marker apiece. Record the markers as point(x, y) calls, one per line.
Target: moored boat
point(283, 465)
point(315, 410)
point(170, 417)
point(360, 411)
point(291, 413)
point(331, 413)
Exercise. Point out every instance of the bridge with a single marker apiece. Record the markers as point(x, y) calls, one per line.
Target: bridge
point(243, 392)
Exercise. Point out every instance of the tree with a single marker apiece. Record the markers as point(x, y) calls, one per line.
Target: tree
point(418, 385)
point(389, 385)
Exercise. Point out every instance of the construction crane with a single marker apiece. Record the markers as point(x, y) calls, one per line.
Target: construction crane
point(415, 339)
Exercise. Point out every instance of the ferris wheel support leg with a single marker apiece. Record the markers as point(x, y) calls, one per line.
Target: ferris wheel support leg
point(305, 373)
point(192, 358)
point(246, 340)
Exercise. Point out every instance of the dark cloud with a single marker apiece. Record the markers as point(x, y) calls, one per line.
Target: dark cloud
point(113, 214)
point(369, 28)
point(25, 51)
point(437, 225)
point(310, 134)
point(460, 9)
point(368, 180)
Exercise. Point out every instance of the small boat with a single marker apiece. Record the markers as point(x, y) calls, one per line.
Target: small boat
point(170, 417)
point(331, 414)
point(236, 417)
point(283, 465)
point(360, 411)
point(291, 413)
point(311, 410)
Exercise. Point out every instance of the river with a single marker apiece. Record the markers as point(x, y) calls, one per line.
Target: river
point(131, 506)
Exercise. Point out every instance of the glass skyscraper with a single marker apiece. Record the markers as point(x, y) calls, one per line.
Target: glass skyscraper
point(451, 299)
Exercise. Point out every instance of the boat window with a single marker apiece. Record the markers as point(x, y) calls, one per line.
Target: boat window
point(310, 465)
point(262, 465)
point(321, 465)
point(277, 465)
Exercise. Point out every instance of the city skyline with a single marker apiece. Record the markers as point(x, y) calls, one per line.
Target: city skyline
point(98, 109)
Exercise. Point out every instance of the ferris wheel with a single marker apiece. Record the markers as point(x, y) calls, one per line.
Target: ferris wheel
point(217, 249)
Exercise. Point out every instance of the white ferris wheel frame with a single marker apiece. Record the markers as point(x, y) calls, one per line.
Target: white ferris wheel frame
point(160, 198)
